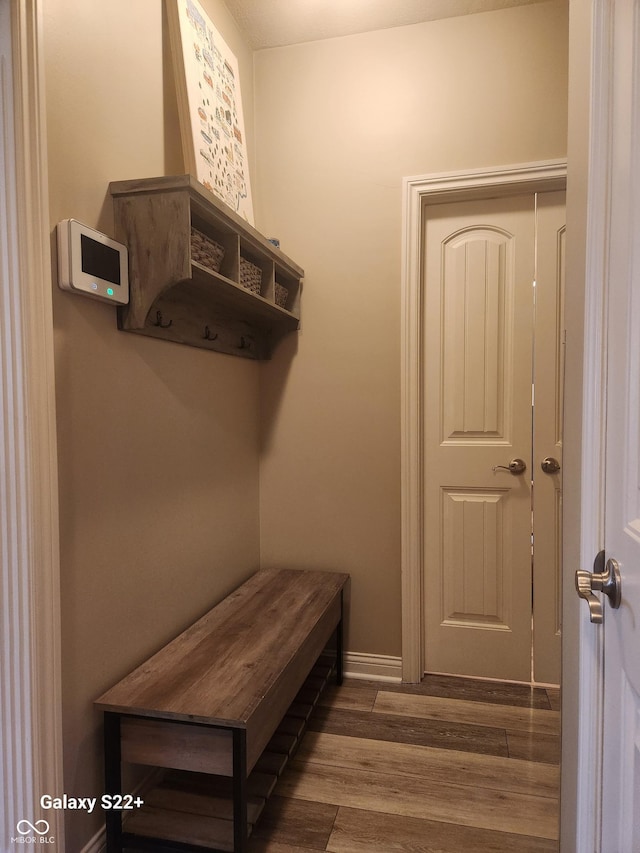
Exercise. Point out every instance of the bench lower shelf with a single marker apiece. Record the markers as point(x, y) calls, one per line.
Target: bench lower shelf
point(191, 811)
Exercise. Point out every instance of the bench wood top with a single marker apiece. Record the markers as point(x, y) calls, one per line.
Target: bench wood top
point(246, 650)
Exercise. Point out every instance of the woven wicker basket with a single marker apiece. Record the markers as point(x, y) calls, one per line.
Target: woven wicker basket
point(282, 294)
point(250, 276)
point(206, 251)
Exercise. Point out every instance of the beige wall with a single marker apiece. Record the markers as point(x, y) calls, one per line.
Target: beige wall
point(158, 443)
point(338, 124)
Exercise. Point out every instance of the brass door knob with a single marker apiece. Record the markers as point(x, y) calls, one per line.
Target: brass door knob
point(550, 465)
point(516, 466)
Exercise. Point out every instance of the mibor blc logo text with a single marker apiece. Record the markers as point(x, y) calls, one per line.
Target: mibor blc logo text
point(32, 833)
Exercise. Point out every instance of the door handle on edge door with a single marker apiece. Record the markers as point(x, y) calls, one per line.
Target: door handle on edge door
point(550, 465)
point(516, 466)
point(603, 578)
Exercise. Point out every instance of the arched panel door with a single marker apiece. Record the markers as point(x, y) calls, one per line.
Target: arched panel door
point(479, 272)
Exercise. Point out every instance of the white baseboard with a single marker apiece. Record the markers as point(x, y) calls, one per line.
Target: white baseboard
point(97, 843)
point(374, 667)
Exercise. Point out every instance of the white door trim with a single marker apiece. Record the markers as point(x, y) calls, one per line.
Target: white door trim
point(418, 192)
point(30, 683)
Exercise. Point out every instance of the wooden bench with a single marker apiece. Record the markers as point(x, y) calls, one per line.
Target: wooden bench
point(227, 698)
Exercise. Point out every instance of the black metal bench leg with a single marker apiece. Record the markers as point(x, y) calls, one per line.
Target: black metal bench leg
point(240, 823)
point(113, 780)
point(340, 643)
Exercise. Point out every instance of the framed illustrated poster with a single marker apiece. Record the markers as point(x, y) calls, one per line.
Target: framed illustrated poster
point(209, 106)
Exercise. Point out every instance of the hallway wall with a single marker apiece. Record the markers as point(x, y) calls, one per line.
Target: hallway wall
point(158, 443)
point(338, 125)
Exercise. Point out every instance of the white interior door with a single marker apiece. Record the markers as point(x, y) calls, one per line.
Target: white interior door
point(621, 771)
point(482, 344)
point(478, 332)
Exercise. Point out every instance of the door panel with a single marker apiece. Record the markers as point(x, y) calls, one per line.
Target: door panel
point(473, 571)
point(478, 275)
point(547, 435)
point(477, 281)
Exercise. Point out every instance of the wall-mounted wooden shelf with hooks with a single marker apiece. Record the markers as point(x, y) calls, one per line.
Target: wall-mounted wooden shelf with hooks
point(199, 274)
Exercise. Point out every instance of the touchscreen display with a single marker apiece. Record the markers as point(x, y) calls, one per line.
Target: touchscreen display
point(100, 260)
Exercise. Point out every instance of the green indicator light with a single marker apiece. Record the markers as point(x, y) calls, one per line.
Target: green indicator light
point(109, 291)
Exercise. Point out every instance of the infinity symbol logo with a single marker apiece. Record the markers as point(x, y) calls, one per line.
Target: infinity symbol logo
point(24, 827)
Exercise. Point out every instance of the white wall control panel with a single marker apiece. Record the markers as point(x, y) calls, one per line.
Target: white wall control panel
point(91, 263)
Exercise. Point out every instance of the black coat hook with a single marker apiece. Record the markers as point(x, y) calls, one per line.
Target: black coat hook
point(207, 334)
point(159, 322)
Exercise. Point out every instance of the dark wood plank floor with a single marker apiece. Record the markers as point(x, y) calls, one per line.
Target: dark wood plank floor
point(446, 766)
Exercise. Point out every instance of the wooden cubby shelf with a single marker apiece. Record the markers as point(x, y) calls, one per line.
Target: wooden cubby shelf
point(199, 274)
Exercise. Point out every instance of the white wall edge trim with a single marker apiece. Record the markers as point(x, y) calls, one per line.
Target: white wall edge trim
point(374, 667)
point(30, 688)
point(543, 176)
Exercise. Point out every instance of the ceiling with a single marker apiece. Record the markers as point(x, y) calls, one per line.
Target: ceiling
point(282, 22)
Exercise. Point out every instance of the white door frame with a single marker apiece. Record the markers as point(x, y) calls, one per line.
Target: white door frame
point(418, 192)
point(30, 683)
